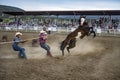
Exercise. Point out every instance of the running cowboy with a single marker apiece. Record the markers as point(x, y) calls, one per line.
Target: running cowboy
point(16, 47)
point(42, 41)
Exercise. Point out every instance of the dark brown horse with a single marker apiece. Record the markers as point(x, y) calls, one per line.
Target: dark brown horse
point(82, 31)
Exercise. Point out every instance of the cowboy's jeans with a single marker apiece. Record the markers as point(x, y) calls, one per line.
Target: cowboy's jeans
point(21, 50)
point(46, 47)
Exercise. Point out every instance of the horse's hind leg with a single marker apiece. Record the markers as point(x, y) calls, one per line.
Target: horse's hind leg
point(68, 49)
point(71, 44)
point(62, 47)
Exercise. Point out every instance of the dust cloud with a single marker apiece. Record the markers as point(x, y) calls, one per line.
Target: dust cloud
point(83, 46)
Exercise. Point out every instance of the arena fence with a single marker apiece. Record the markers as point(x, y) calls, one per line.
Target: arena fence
point(99, 31)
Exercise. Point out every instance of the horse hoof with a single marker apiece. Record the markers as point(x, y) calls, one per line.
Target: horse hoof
point(69, 54)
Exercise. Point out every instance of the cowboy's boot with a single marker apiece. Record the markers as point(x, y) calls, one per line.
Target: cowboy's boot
point(49, 54)
point(19, 55)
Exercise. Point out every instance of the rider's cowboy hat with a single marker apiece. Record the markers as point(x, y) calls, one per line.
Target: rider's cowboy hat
point(43, 32)
point(18, 33)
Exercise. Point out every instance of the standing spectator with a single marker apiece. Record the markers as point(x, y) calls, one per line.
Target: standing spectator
point(15, 46)
point(42, 41)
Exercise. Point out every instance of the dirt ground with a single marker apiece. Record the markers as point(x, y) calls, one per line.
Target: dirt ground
point(91, 59)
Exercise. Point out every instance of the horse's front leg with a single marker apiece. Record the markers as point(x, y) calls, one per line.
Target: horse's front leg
point(93, 33)
point(63, 45)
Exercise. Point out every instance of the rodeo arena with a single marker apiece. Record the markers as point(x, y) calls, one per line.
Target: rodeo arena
point(59, 45)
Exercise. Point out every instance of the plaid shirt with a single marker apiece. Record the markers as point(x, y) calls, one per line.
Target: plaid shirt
point(42, 38)
point(16, 41)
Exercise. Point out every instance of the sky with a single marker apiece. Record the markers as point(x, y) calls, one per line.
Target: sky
point(45, 5)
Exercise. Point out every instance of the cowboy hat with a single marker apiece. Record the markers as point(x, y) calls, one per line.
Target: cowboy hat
point(18, 33)
point(43, 31)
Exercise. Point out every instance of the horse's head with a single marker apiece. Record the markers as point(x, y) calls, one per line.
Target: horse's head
point(82, 20)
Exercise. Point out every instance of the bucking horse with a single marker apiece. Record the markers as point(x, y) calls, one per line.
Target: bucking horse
point(82, 31)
